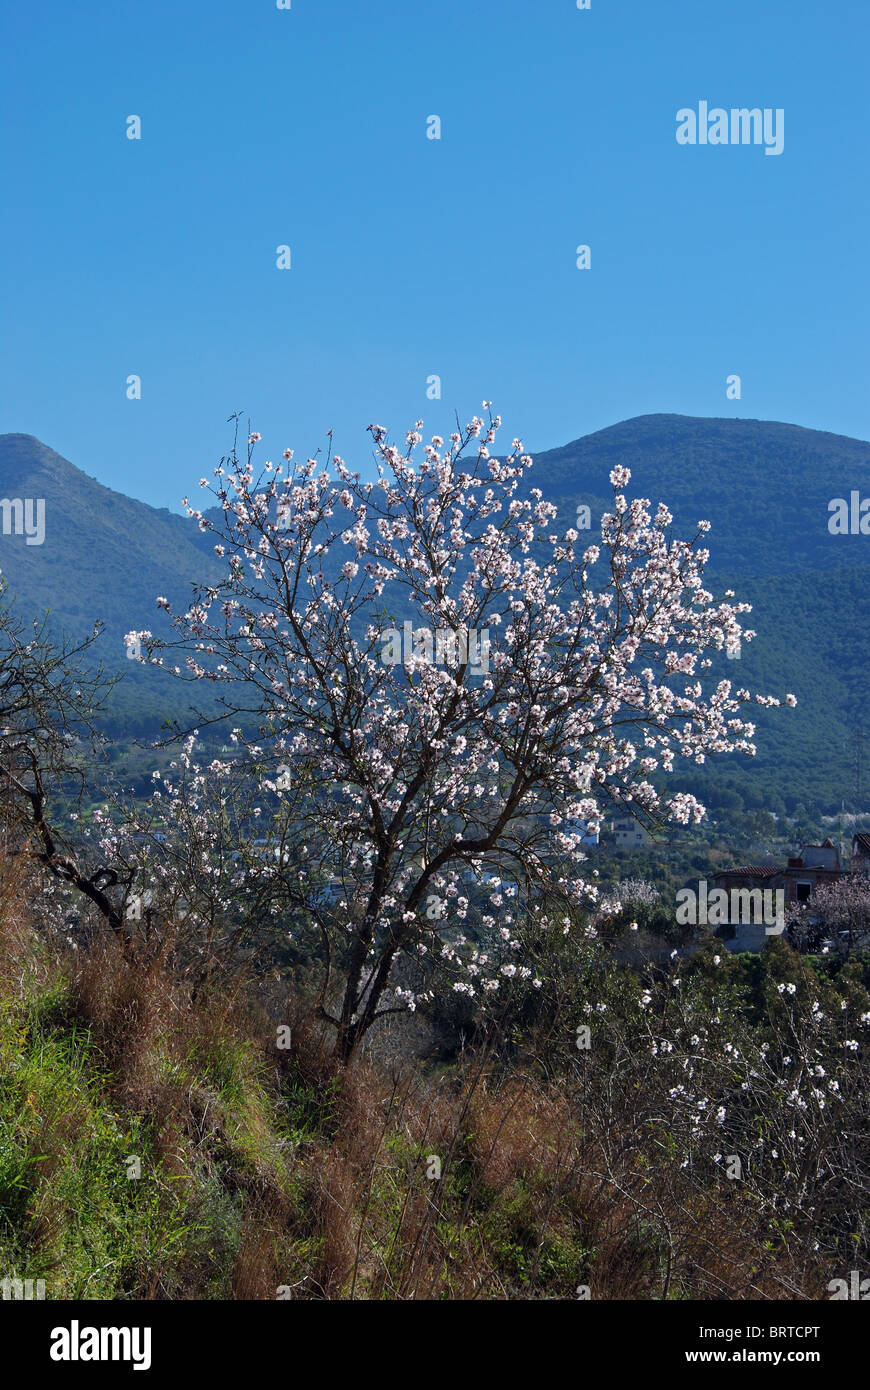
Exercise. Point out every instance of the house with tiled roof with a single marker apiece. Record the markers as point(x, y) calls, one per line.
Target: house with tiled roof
point(814, 865)
point(860, 861)
point(802, 875)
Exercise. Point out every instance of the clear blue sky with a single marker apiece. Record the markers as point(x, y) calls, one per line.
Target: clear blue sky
point(411, 256)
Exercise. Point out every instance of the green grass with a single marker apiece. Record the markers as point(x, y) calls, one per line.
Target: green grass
point(69, 1213)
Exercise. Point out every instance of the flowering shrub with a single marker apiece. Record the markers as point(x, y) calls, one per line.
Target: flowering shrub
point(745, 1076)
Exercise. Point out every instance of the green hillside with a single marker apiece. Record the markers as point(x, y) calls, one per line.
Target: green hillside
point(105, 558)
point(764, 486)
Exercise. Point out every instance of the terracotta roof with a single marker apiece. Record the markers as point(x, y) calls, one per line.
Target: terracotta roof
point(754, 870)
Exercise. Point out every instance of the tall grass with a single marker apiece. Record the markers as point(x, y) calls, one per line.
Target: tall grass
point(269, 1173)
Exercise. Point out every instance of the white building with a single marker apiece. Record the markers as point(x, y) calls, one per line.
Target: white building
point(629, 833)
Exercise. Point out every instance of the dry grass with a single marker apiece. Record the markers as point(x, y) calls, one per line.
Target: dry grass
point(271, 1170)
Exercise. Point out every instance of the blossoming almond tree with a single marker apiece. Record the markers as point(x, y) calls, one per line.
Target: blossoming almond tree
point(402, 782)
point(839, 911)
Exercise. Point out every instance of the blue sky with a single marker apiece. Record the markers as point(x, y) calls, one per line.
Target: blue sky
point(414, 257)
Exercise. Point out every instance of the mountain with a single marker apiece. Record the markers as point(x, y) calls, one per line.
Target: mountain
point(764, 486)
point(104, 557)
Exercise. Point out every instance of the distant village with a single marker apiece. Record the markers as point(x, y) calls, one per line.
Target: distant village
point(796, 880)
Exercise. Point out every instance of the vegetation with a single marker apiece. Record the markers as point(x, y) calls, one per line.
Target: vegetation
point(267, 1172)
